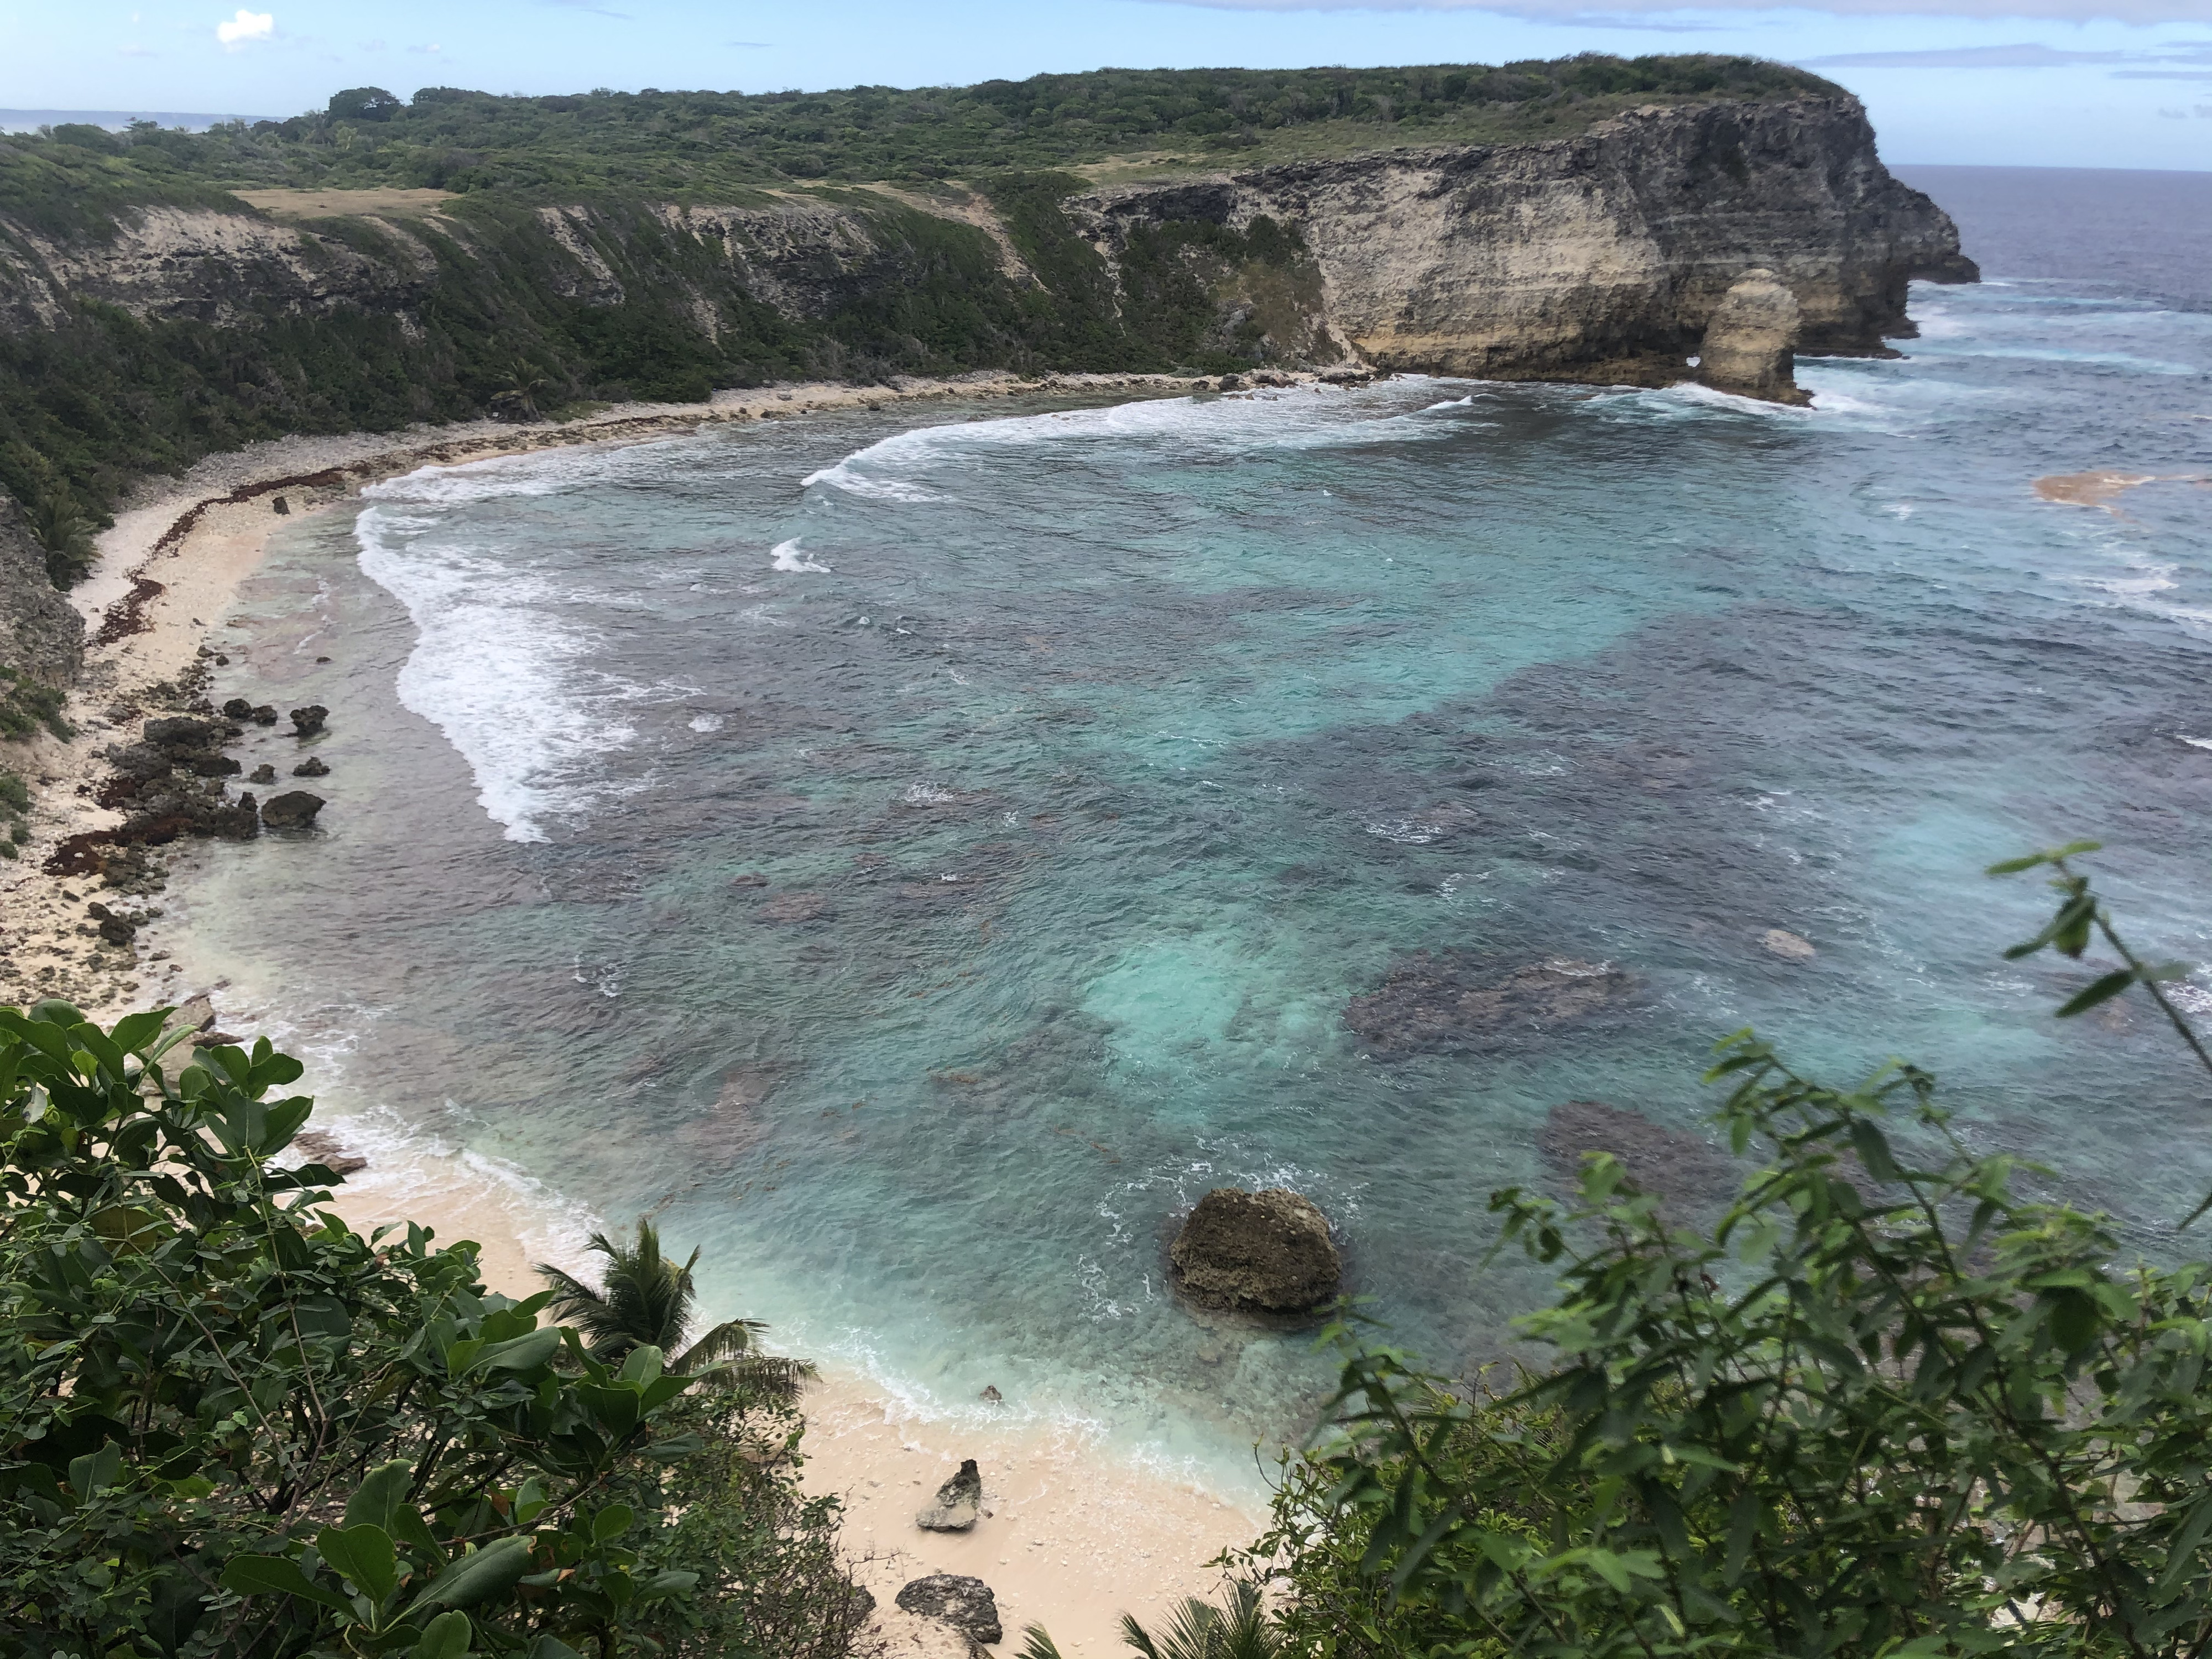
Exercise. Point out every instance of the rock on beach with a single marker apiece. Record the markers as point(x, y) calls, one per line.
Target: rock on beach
point(966, 1604)
point(959, 1501)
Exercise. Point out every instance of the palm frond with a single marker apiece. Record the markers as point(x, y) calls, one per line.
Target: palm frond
point(1199, 1630)
point(1038, 1643)
point(647, 1300)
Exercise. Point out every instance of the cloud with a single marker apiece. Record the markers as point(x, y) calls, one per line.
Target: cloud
point(1582, 14)
point(2029, 55)
point(246, 26)
point(2025, 56)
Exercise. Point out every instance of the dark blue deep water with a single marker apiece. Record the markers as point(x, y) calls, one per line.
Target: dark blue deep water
point(915, 856)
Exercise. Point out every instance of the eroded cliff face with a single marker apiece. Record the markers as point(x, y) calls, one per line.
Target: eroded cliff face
point(1598, 256)
point(41, 636)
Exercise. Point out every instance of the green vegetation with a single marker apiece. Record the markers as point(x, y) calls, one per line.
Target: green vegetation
point(229, 1426)
point(648, 1301)
point(1884, 1405)
point(25, 705)
point(720, 146)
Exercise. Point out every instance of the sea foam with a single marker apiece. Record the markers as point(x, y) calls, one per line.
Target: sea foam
point(498, 666)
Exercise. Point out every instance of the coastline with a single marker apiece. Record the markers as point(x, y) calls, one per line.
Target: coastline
point(170, 567)
point(1076, 1534)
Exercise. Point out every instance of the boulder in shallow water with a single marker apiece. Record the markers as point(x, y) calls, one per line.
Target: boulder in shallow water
point(1750, 341)
point(264, 773)
point(959, 1501)
point(1266, 1252)
point(1664, 1162)
point(294, 809)
point(1454, 1001)
point(309, 720)
point(966, 1604)
point(1790, 947)
point(313, 766)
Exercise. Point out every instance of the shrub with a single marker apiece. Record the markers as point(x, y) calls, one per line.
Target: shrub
point(1885, 1407)
point(231, 1425)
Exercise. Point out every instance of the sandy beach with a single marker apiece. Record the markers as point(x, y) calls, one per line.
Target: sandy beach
point(1075, 1534)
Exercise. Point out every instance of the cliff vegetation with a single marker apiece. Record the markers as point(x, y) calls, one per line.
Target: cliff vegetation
point(716, 147)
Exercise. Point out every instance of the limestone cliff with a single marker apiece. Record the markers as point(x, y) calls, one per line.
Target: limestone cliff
point(1598, 256)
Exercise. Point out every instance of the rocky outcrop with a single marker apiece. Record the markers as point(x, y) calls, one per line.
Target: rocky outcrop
point(1749, 340)
point(1266, 1252)
point(966, 1604)
point(41, 636)
point(1602, 255)
point(294, 809)
point(1458, 1002)
point(959, 1502)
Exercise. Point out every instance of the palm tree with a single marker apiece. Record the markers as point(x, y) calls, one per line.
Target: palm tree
point(647, 1301)
point(1198, 1630)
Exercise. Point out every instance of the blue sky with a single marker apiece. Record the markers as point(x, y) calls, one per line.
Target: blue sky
point(2040, 82)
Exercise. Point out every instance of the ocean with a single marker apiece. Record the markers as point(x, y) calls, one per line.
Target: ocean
point(913, 856)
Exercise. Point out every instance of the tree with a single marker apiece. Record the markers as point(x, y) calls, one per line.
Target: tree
point(647, 1300)
point(363, 104)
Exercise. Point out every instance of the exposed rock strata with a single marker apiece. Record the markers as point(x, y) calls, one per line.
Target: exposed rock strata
point(1748, 343)
point(1600, 256)
point(1265, 1252)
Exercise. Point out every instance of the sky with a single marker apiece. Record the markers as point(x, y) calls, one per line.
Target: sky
point(2114, 83)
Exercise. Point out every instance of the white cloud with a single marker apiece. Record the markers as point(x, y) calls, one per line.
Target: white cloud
point(246, 26)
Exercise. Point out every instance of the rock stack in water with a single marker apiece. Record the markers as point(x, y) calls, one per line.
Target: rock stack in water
point(1266, 1252)
point(1751, 340)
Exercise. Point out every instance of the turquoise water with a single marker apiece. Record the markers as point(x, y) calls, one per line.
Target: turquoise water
point(914, 862)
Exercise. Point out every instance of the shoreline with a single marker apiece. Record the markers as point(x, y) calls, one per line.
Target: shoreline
point(170, 568)
point(1076, 1533)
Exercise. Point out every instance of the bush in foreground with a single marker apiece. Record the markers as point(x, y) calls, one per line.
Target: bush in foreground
point(231, 1425)
point(1886, 1406)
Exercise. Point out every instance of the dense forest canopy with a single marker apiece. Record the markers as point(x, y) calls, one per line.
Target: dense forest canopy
point(718, 144)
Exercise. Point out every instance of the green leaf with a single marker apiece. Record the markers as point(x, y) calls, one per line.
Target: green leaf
point(1873, 1148)
point(134, 1031)
point(278, 1575)
point(381, 1491)
point(612, 1522)
point(2103, 989)
point(527, 1352)
point(95, 1472)
point(492, 1571)
point(446, 1636)
point(364, 1555)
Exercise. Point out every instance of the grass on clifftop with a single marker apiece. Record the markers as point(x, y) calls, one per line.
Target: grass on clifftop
point(726, 146)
